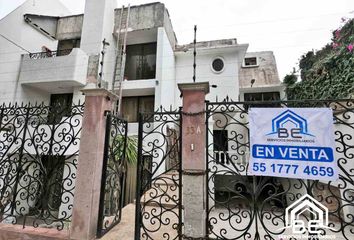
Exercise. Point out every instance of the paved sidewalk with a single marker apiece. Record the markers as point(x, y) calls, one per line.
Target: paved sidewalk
point(125, 229)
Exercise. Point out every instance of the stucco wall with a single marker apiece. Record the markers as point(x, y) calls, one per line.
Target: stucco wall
point(227, 81)
point(165, 72)
point(265, 73)
point(28, 38)
point(69, 27)
point(45, 74)
point(147, 17)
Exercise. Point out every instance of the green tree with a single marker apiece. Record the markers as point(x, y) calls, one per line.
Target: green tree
point(131, 151)
point(329, 72)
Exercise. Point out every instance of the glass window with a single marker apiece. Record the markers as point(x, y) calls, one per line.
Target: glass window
point(264, 96)
point(140, 61)
point(251, 61)
point(218, 65)
point(60, 106)
point(220, 140)
point(132, 106)
point(51, 175)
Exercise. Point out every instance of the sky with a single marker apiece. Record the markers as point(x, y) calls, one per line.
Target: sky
point(289, 28)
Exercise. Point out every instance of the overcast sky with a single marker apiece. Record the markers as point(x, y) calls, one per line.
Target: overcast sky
point(289, 28)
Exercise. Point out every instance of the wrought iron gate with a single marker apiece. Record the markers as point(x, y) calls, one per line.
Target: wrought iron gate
point(158, 201)
point(249, 207)
point(113, 174)
point(39, 149)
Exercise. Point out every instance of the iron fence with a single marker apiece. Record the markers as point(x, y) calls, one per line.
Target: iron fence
point(50, 54)
point(240, 206)
point(113, 174)
point(159, 187)
point(38, 162)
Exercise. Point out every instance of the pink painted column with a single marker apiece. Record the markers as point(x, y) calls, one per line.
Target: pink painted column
point(193, 158)
point(89, 170)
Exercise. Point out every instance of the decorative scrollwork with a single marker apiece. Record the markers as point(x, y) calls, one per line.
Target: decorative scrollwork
point(38, 162)
point(113, 176)
point(159, 204)
point(50, 54)
point(249, 207)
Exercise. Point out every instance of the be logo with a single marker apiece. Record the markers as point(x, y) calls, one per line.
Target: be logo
point(299, 209)
point(289, 125)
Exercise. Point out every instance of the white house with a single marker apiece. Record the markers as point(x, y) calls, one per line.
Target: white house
point(52, 52)
point(48, 55)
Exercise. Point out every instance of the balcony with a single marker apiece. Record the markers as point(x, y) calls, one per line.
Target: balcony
point(54, 71)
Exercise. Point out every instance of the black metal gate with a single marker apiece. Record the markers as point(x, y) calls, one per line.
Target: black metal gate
point(39, 149)
point(113, 174)
point(158, 201)
point(249, 207)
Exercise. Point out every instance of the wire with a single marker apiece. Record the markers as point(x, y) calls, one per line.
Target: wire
point(270, 21)
point(14, 43)
point(239, 36)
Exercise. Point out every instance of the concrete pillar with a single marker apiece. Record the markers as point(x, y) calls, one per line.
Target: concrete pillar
point(193, 158)
point(89, 169)
point(98, 24)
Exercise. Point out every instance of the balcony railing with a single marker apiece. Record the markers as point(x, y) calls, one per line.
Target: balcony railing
point(50, 54)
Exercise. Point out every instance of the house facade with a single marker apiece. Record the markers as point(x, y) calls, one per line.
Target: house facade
point(52, 54)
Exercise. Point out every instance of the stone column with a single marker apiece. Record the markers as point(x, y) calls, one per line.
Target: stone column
point(89, 169)
point(193, 158)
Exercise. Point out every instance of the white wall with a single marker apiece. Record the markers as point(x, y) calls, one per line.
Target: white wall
point(165, 72)
point(16, 29)
point(227, 81)
point(98, 25)
point(72, 72)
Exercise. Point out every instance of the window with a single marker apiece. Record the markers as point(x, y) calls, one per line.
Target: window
point(220, 140)
point(51, 176)
point(146, 174)
point(140, 61)
point(250, 62)
point(217, 65)
point(260, 97)
point(60, 106)
point(66, 46)
point(221, 146)
point(132, 106)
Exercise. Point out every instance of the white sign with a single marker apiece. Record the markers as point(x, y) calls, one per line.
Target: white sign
point(292, 143)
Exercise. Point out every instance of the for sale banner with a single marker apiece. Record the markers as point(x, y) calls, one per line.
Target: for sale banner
point(292, 143)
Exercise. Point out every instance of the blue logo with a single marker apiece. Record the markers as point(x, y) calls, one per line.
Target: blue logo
point(289, 117)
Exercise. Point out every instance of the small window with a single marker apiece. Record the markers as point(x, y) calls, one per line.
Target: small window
point(250, 62)
point(60, 106)
point(266, 97)
point(220, 140)
point(217, 65)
